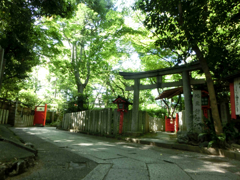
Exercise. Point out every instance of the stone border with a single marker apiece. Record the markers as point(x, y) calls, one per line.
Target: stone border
point(171, 145)
point(13, 168)
point(26, 147)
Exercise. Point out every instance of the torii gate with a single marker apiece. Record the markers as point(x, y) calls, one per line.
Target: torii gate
point(186, 81)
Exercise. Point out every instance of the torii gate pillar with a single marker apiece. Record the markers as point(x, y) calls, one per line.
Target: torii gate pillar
point(187, 100)
point(135, 109)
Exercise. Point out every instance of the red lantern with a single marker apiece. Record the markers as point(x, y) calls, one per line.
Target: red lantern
point(122, 107)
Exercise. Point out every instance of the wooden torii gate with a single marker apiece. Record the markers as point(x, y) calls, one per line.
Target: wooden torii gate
point(186, 81)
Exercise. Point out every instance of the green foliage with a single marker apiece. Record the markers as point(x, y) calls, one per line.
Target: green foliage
point(72, 105)
point(99, 46)
point(211, 25)
point(210, 135)
point(159, 113)
point(231, 131)
point(28, 97)
point(23, 38)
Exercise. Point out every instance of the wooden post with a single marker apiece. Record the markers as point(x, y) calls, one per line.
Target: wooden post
point(134, 126)
point(145, 122)
point(84, 120)
point(97, 121)
point(105, 114)
point(92, 121)
point(1, 119)
point(4, 115)
point(87, 121)
point(140, 121)
point(109, 121)
point(127, 122)
point(116, 117)
point(187, 100)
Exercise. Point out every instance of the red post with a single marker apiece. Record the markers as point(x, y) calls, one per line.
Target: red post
point(177, 122)
point(232, 101)
point(166, 124)
point(121, 121)
point(205, 112)
point(45, 115)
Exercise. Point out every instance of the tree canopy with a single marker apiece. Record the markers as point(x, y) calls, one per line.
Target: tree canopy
point(209, 29)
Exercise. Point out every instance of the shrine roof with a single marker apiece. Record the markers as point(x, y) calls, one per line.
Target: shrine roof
point(170, 93)
point(124, 99)
point(231, 77)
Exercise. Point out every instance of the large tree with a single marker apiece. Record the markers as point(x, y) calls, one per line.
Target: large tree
point(92, 46)
point(207, 28)
point(22, 41)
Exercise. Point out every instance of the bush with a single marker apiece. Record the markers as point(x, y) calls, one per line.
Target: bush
point(231, 131)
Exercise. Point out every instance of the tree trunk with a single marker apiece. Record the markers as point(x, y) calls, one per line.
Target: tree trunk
point(211, 90)
point(2, 66)
point(76, 66)
point(80, 97)
point(210, 85)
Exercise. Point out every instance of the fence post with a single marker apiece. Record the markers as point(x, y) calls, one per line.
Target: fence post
point(92, 118)
point(7, 115)
point(87, 121)
point(140, 121)
point(1, 119)
point(104, 114)
point(4, 116)
point(79, 119)
point(116, 116)
point(100, 122)
point(145, 122)
point(109, 121)
point(83, 120)
point(66, 121)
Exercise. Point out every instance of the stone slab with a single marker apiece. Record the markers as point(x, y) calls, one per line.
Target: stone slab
point(127, 174)
point(167, 171)
point(98, 172)
point(127, 163)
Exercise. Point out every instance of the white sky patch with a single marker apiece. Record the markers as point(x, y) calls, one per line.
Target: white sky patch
point(120, 4)
point(133, 62)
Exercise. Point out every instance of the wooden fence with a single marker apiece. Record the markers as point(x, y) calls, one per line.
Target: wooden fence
point(156, 124)
point(97, 121)
point(4, 116)
point(24, 120)
point(23, 116)
point(105, 121)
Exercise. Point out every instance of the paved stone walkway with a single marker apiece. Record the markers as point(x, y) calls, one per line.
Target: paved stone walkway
point(122, 160)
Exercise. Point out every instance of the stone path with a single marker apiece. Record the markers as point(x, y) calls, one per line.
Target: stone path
point(122, 160)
